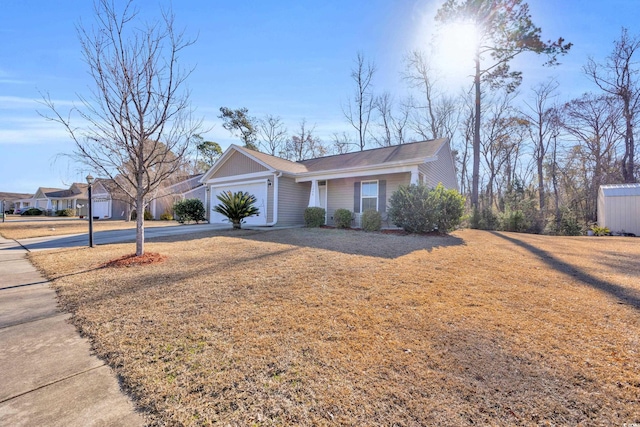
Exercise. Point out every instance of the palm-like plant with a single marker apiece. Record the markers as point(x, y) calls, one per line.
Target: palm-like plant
point(236, 206)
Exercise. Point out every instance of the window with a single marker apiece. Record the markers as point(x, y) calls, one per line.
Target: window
point(369, 195)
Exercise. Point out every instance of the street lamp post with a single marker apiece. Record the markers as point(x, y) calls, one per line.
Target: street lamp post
point(90, 180)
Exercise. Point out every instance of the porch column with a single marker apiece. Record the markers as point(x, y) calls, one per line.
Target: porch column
point(414, 177)
point(314, 196)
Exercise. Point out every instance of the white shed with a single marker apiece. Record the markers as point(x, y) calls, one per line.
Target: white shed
point(619, 208)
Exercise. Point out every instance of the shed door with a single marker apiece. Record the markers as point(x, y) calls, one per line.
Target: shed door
point(257, 189)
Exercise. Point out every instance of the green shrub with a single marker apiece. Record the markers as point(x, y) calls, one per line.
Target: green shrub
point(419, 209)
point(342, 218)
point(513, 221)
point(449, 207)
point(484, 219)
point(188, 210)
point(569, 224)
point(166, 216)
point(236, 207)
point(66, 212)
point(33, 212)
point(371, 220)
point(314, 217)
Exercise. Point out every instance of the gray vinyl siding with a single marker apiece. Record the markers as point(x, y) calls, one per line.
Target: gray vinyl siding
point(238, 164)
point(118, 209)
point(293, 199)
point(441, 170)
point(340, 192)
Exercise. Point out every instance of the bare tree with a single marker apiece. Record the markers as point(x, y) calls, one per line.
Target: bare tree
point(619, 77)
point(393, 125)
point(138, 117)
point(540, 116)
point(304, 145)
point(505, 30)
point(383, 105)
point(594, 123)
point(342, 142)
point(359, 109)
point(273, 134)
point(502, 139)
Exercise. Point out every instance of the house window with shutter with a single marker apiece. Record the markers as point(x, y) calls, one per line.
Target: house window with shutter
point(369, 195)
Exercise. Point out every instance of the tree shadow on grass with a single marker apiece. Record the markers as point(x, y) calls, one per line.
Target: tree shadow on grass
point(625, 295)
point(353, 242)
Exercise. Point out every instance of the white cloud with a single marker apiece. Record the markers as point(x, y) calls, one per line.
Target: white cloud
point(31, 131)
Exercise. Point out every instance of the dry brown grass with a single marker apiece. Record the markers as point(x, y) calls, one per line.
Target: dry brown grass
point(331, 327)
point(48, 226)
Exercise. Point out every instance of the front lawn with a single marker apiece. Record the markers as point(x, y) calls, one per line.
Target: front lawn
point(337, 327)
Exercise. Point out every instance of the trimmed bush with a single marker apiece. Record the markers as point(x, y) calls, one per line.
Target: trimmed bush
point(371, 220)
point(33, 212)
point(66, 212)
point(342, 218)
point(314, 217)
point(419, 209)
point(188, 210)
point(166, 216)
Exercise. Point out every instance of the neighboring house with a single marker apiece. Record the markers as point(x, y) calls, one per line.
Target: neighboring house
point(75, 197)
point(190, 188)
point(40, 198)
point(619, 208)
point(356, 181)
point(12, 201)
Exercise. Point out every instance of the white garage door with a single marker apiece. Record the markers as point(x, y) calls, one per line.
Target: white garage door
point(100, 208)
point(257, 189)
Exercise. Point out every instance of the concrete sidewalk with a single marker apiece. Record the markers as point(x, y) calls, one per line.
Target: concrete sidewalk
point(49, 377)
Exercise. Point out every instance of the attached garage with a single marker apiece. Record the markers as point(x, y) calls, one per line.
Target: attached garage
point(619, 208)
point(257, 188)
point(101, 207)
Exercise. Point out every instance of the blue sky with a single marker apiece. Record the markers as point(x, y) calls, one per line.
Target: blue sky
point(287, 58)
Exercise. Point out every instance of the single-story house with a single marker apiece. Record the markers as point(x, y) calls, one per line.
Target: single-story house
point(75, 197)
point(188, 188)
point(619, 208)
point(12, 201)
point(356, 181)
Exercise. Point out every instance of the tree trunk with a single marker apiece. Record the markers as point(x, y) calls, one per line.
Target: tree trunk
point(628, 159)
point(140, 225)
point(475, 180)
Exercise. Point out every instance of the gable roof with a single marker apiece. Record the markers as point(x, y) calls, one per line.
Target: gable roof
point(44, 191)
point(620, 190)
point(14, 196)
point(273, 162)
point(415, 152)
point(411, 153)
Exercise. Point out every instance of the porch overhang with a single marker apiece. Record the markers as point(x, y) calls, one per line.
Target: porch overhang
point(382, 169)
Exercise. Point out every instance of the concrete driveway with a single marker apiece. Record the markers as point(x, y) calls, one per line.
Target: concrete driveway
point(113, 236)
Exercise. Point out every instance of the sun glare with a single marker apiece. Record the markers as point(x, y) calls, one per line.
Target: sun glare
point(455, 48)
